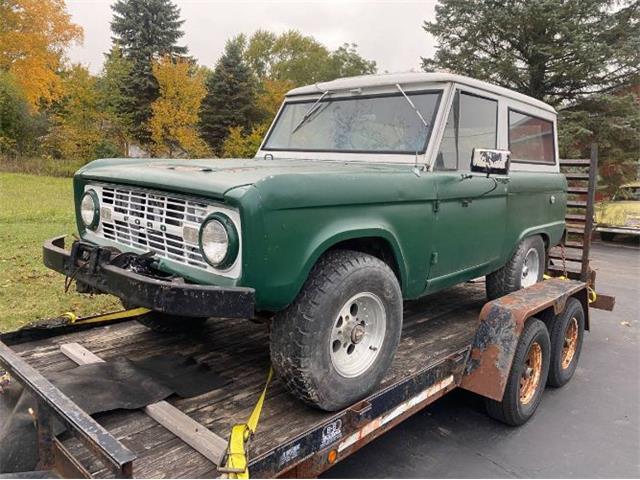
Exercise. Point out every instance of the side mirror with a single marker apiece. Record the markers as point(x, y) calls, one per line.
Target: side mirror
point(490, 161)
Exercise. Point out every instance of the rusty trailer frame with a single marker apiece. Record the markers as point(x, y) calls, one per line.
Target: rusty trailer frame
point(481, 366)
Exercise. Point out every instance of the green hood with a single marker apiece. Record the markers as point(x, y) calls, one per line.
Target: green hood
point(215, 177)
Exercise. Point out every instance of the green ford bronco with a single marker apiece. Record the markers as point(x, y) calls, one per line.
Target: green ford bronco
point(365, 192)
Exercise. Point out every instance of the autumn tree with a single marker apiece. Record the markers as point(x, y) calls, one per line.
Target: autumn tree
point(301, 59)
point(145, 30)
point(33, 37)
point(239, 144)
point(174, 114)
point(230, 97)
point(79, 128)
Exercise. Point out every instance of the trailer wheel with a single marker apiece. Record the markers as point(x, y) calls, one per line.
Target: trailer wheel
point(607, 236)
point(334, 343)
point(527, 377)
point(165, 323)
point(525, 268)
point(567, 333)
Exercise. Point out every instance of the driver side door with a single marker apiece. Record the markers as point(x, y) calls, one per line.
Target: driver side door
point(470, 219)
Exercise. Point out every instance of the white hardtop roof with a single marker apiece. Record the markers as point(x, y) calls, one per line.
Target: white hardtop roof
point(407, 80)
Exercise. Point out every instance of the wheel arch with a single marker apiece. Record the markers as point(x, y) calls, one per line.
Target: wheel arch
point(379, 242)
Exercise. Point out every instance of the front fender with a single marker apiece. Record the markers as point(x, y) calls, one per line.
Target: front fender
point(332, 237)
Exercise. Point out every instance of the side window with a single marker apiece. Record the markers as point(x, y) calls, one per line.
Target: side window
point(472, 123)
point(530, 139)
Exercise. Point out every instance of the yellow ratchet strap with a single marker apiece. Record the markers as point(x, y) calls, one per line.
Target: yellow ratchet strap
point(133, 312)
point(237, 465)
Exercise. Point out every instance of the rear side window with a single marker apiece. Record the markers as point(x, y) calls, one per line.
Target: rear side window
point(472, 123)
point(530, 139)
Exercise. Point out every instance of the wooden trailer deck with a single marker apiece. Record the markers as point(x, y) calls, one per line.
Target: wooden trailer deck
point(434, 328)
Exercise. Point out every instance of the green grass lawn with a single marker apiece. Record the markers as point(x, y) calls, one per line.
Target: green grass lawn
point(32, 209)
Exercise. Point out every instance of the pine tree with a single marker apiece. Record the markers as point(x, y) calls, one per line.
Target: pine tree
point(554, 50)
point(145, 30)
point(230, 97)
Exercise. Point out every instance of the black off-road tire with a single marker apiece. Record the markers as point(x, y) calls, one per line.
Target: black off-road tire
point(508, 278)
point(560, 374)
point(511, 410)
point(165, 323)
point(607, 236)
point(300, 335)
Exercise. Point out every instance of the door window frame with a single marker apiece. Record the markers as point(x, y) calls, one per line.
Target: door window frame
point(447, 104)
point(554, 160)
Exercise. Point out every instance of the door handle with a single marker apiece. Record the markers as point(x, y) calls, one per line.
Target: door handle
point(465, 202)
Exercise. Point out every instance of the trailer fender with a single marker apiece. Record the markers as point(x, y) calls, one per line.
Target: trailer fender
point(500, 323)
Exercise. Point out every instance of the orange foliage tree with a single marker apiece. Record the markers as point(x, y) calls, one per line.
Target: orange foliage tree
point(174, 115)
point(33, 37)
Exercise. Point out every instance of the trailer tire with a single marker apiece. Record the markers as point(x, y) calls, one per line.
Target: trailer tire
point(511, 277)
point(165, 323)
point(607, 236)
point(567, 334)
point(531, 365)
point(325, 349)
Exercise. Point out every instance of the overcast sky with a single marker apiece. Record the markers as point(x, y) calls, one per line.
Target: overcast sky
point(389, 32)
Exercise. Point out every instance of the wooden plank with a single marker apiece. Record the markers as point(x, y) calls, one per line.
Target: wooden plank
point(182, 426)
point(575, 162)
point(576, 204)
point(572, 254)
point(575, 217)
point(576, 176)
point(578, 190)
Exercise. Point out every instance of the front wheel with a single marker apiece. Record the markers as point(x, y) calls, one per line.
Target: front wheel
point(333, 345)
point(524, 268)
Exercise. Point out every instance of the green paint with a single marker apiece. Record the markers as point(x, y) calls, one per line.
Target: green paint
point(442, 229)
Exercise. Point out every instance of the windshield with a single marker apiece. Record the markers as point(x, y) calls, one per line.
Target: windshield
point(362, 124)
point(627, 193)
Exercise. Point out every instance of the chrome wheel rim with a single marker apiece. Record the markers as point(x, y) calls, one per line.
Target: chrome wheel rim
point(530, 268)
point(357, 334)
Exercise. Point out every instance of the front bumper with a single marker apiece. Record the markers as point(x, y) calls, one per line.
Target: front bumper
point(91, 265)
point(621, 230)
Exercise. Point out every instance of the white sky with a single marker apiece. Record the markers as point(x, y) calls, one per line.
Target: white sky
point(387, 31)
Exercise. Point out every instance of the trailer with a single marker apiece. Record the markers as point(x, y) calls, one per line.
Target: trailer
point(454, 339)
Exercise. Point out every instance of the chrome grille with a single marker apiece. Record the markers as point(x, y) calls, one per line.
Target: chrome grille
point(165, 224)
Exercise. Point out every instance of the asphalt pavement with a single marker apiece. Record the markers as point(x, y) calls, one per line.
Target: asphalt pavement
point(589, 428)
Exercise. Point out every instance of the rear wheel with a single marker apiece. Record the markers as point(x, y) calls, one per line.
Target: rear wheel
point(525, 268)
point(334, 343)
point(165, 323)
point(567, 333)
point(527, 377)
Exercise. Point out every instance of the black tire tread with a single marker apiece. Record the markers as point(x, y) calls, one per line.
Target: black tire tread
point(289, 350)
point(506, 279)
point(506, 411)
point(556, 378)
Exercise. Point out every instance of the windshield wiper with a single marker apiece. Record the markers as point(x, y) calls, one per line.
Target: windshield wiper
point(310, 112)
point(412, 105)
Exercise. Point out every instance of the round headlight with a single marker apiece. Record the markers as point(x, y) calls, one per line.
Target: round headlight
point(218, 241)
point(89, 209)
